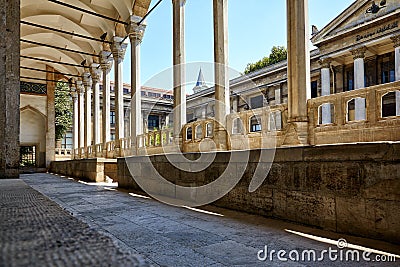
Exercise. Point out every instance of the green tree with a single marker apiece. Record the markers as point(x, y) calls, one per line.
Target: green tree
point(278, 54)
point(63, 110)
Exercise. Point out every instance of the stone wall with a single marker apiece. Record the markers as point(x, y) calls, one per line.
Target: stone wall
point(352, 189)
point(86, 169)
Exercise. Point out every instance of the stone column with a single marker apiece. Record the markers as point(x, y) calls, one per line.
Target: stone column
point(278, 95)
point(358, 56)
point(75, 122)
point(299, 82)
point(136, 33)
point(179, 70)
point(106, 64)
point(222, 93)
point(95, 72)
point(326, 89)
point(51, 117)
point(87, 83)
point(118, 49)
point(9, 89)
point(81, 110)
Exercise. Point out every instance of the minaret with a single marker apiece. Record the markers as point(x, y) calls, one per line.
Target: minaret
point(200, 84)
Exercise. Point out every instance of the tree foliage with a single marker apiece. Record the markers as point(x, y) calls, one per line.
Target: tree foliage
point(63, 110)
point(278, 54)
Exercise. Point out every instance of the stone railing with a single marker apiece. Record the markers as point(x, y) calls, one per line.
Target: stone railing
point(258, 128)
point(364, 115)
point(198, 136)
point(110, 150)
point(154, 142)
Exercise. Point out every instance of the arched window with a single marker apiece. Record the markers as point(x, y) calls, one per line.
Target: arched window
point(356, 109)
point(189, 133)
point(326, 114)
point(199, 132)
point(389, 105)
point(275, 121)
point(237, 126)
point(209, 129)
point(255, 124)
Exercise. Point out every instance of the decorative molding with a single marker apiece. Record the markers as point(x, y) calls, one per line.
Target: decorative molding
point(33, 88)
point(396, 40)
point(358, 52)
point(325, 62)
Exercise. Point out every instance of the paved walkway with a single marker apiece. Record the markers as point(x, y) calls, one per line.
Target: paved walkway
point(35, 231)
point(171, 236)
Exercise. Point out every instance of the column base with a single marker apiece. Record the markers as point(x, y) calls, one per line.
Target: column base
point(296, 134)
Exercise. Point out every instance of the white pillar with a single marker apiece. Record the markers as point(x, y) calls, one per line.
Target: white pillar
point(81, 108)
point(278, 96)
point(95, 72)
point(396, 42)
point(222, 92)
point(397, 103)
point(136, 33)
point(358, 55)
point(87, 83)
point(326, 89)
point(179, 70)
point(75, 122)
point(118, 49)
point(106, 63)
point(360, 109)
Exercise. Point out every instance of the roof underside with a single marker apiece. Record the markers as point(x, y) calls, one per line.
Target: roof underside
point(59, 17)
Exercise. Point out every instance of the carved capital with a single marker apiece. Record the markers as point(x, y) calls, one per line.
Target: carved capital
point(325, 62)
point(358, 52)
point(87, 80)
point(118, 48)
point(106, 61)
point(134, 30)
point(396, 40)
point(338, 69)
point(95, 72)
point(180, 2)
point(80, 88)
point(74, 93)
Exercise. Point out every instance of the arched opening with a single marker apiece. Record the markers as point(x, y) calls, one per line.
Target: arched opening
point(189, 133)
point(237, 126)
point(389, 105)
point(199, 132)
point(356, 109)
point(275, 121)
point(326, 113)
point(255, 124)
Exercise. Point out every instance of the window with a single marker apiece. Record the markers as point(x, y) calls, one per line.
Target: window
point(189, 133)
point(27, 157)
point(126, 91)
point(314, 89)
point(112, 117)
point(257, 102)
point(143, 93)
point(67, 141)
point(349, 73)
point(326, 113)
point(199, 132)
point(255, 124)
point(209, 128)
point(237, 126)
point(153, 122)
point(387, 70)
point(356, 109)
point(112, 136)
point(389, 105)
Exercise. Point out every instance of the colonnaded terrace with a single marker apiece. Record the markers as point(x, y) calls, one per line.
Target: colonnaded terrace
point(295, 162)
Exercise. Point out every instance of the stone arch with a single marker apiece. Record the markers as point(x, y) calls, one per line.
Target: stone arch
point(33, 132)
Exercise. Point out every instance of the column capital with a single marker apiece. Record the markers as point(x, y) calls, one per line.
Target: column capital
point(325, 62)
point(181, 2)
point(396, 40)
point(87, 80)
point(134, 30)
point(80, 89)
point(118, 48)
point(106, 60)
point(74, 93)
point(358, 52)
point(95, 72)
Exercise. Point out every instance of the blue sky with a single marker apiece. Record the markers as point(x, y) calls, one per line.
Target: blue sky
point(254, 27)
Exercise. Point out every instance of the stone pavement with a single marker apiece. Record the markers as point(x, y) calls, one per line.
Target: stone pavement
point(172, 236)
point(35, 231)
